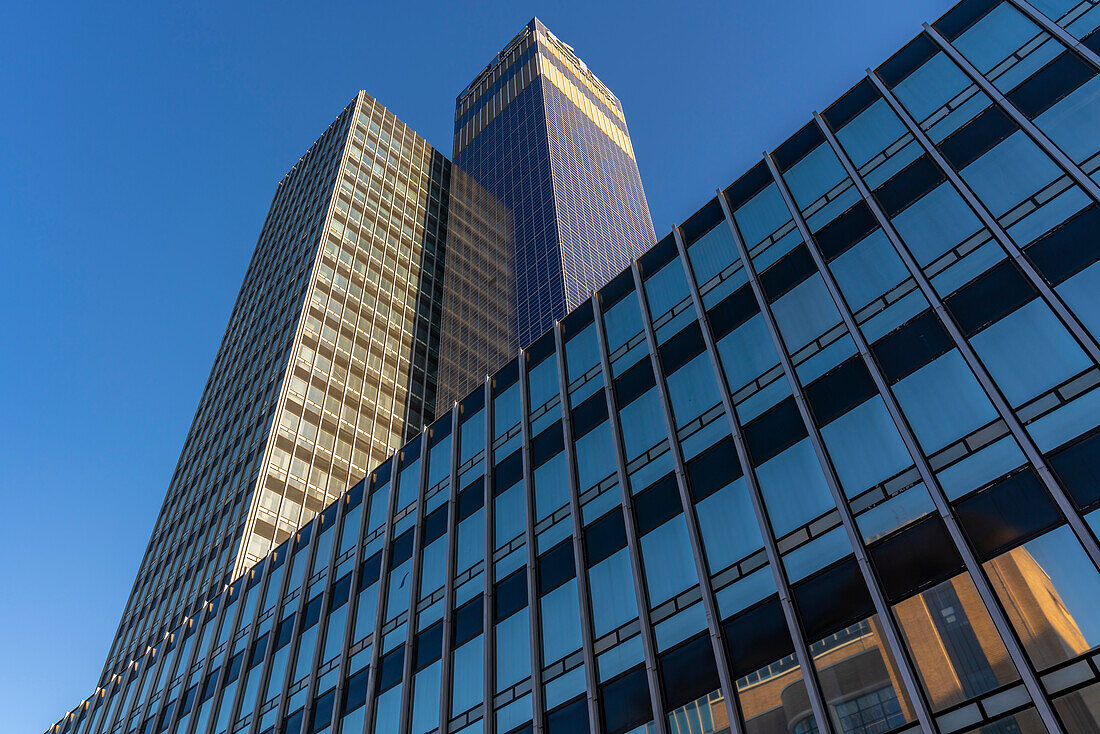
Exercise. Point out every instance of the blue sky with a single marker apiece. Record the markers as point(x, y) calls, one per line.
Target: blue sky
point(139, 149)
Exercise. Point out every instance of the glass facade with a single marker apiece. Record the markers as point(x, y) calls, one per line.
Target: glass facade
point(327, 366)
point(548, 201)
point(823, 459)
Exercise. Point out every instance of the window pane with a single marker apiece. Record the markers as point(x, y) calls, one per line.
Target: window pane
point(1049, 588)
point(952, 640)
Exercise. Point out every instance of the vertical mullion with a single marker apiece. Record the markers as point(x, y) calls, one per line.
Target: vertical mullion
point(771, 547)
point(124, 677)
point(1027, 672)
point(1068, 318)
point(446, 672)
point(859, 550)
point(295, 640)
point(191, 660)
point(660, 716)
point(488, 631)
point(583, 592)
point(687, 507)
point(1015, 426)
point(353, 595)
point(1067, 38)
point(1089, 186)
point(269, 655)
point(237, 615)
point(939, 497)
point(238, 699)
point(414, 584)
point(322, 619)
point(916, 693)
point(534, 619)
point(383, 592)
point(141, 709)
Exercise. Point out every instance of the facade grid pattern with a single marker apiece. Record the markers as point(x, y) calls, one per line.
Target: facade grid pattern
point(327, 366)
point(547, 166)
point(823, 459)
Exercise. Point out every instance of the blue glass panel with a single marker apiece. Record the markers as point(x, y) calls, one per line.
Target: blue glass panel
point(762, 215)
point(612, 586)
point(712, 253)
point(937, 222)
point(996, 36)
point(868, 270)
point(865, 446)
point(468, 688)
point(747, 352)
point(1082, 294)
point(943, 401)
point(1028, 352)
point(1009, 173)
point(814, 175)
point(561, 622)
point(728, 525)
point(931, 86)
point(513, 647)
point(805, 313)
point(871, 132)
point(794, 488)
point(692, 390)
point(666, 556)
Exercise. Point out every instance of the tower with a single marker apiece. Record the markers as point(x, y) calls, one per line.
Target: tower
point(543, 162)
point(327, 365)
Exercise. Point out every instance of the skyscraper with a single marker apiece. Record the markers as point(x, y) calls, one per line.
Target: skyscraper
point(328, 363)
point(545, 168)
point(823, 459)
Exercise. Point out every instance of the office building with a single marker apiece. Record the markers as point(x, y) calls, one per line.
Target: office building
point(823, 459)
point(327, 366)
point(548, 201)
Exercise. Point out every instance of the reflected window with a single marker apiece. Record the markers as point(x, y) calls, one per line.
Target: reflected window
point(957, 650)
point(1049, 588)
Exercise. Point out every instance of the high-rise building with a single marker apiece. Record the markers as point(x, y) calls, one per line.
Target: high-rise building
point(328, 363)
point(549, 201)
point(823, 459)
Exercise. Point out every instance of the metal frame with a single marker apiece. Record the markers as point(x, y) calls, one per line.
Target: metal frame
point(534, 616)
point(591, 675)
point(445, 669)
point(1087, 341)
point(687, 507)
point(1027, 672)
point(771, 547)
point(859, 548)
point(1079, 177)
point(649, 644)
point(1060, 33)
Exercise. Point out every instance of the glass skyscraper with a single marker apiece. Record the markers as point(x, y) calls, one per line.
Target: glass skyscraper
point(327, 366)
point(548, 199)
point(823, 459)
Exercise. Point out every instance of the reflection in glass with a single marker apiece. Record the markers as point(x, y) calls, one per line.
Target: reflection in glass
point(1025, 722)
point(1080, 710)
point(774, 699)
point(1049, 589)
point(952, 640)
point(704, 715)
point(860, 680)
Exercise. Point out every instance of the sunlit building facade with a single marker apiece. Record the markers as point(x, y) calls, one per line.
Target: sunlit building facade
point(543, 161)
point(327, 366)
point(823, 459)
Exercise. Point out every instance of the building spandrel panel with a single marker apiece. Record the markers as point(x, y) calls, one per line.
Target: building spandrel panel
point(822, 459)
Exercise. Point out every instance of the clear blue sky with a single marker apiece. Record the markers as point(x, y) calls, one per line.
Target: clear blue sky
point(139, 150)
